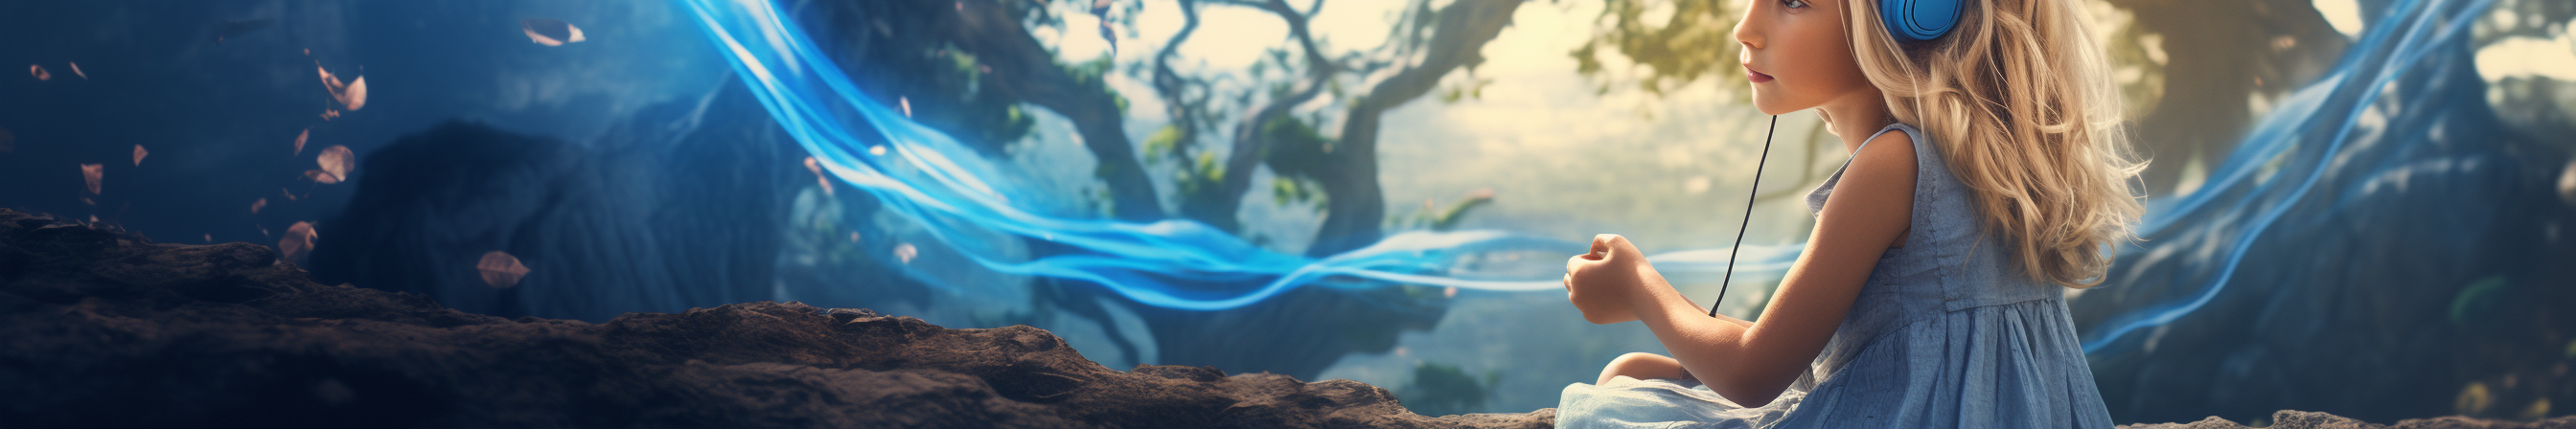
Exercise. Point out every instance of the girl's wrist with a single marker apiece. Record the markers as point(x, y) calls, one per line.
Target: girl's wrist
point(1653, 294)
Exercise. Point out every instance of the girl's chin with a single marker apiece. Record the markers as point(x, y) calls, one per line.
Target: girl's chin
point(1770, 103)
point(1770, 107)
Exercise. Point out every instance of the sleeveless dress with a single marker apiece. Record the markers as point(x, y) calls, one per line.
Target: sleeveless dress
point(1946, 333)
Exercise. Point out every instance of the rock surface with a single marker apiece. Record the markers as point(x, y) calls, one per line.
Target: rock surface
point(100, 328)
point(2286, 419)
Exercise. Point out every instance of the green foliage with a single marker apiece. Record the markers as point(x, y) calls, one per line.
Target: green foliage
point(1285, 191)
point(1442, 389)
point(1473, 88)
point(1295, 148)
point(1087, 76)
point(1436, 218)
point(1696, 40)
point(1165, 142)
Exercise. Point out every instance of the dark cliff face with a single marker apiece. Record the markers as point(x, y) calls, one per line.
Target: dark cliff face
point(672, 208)
point(104, 328)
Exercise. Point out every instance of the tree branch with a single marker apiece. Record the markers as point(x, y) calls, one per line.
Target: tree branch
point(1025, 69)
point(1357, 205)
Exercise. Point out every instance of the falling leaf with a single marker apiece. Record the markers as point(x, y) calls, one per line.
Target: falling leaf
point(299, 140)
point(876, 150)
point(550, 32)
point(1451, 292)
point(39, 72)
point(335, 161)
point(91, 173)
point(76, 71)
point(854, 236)
point(907, 105)
point(210, 238)
point(329, 82)
point(819, 178)
point(256, 205)
point(139, 153)
point(352, 94)
point(329, 114)
point(356, 97)
point(298, 241)
point(905, 252)
point(500, 269)
point(322, 177)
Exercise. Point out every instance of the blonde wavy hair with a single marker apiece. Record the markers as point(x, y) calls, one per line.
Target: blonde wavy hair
point(2019, 101)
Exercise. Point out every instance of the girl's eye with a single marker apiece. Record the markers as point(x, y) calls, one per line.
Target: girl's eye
point(1794, 4)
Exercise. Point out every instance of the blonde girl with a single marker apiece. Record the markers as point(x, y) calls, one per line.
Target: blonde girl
point(1988, 173)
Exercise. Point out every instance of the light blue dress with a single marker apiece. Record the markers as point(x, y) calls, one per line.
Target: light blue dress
point(1947, 333)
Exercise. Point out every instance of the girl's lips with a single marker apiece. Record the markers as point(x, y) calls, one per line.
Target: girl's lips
point(1755, 76)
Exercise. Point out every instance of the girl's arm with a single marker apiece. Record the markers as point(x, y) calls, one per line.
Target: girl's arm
point(1753, 363)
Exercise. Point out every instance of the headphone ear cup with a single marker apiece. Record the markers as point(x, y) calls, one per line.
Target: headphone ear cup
point(1919, 19)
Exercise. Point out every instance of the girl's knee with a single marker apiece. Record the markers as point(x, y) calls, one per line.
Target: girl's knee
point(1639, 366)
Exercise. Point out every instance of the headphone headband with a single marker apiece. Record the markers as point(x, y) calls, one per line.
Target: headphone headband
point(1919, 19)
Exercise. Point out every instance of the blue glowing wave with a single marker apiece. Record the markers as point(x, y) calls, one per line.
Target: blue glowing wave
point(2307, 134)
point(960, 198)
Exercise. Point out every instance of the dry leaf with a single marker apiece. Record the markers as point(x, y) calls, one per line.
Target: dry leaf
point(907, 105)
point(876, 150)
point(500, 269)
point(299, 140)
point(139, 153)
point(256, 205)
point(91, 173)
point(298, 241)
point(76, 71)
point(352, 94)
point(905, 252)
point(39, 72)
point(819, 178)
point(550, 32)
point(322, 177)
point(356, 97)
point(335, 160)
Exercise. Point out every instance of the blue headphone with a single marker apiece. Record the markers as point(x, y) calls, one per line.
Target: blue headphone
point(1919, 19)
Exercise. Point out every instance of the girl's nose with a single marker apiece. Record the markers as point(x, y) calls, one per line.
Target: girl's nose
point(1747, 30)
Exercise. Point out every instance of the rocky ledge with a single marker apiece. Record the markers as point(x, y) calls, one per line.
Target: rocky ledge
point(2286, 419)
point(101, 328)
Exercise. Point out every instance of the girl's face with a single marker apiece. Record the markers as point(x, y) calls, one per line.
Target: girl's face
point(1798, 55)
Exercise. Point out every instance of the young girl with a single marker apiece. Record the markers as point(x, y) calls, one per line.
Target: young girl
point(1988, 171)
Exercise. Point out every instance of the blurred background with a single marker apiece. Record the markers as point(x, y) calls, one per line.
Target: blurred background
point(2356, 206)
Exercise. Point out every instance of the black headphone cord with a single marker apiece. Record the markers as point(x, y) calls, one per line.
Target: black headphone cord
point(1748, 216)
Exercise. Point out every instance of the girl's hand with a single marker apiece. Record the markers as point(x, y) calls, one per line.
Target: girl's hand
point(1604, 283)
